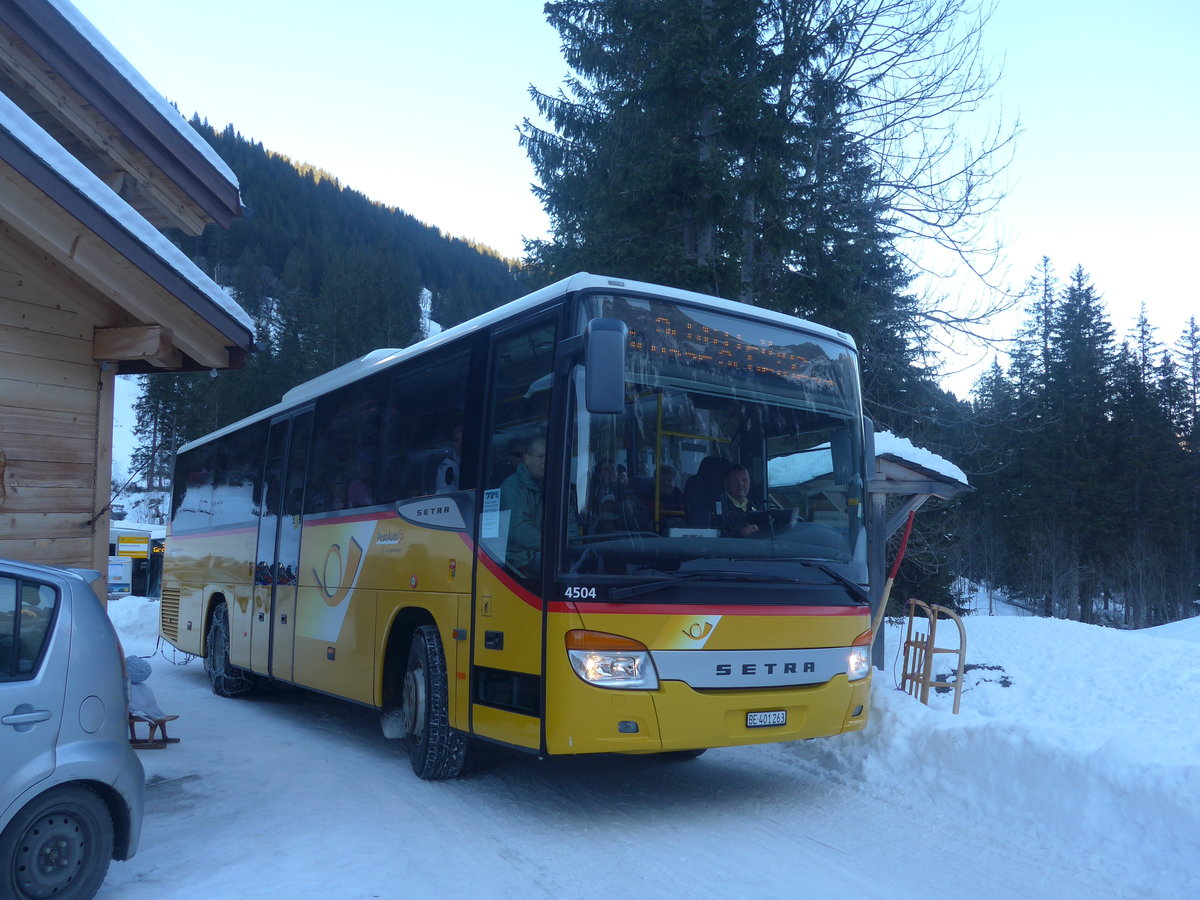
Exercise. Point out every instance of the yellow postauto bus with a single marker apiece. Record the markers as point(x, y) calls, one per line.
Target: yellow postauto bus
point(608, 517)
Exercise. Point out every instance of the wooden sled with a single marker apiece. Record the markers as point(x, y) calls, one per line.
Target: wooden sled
point(154, 726)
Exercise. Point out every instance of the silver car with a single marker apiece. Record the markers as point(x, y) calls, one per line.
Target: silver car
point(70, 784)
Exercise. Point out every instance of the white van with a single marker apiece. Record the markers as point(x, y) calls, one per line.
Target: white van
point(71, 787)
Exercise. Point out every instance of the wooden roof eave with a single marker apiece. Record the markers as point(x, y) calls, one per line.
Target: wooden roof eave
point(87, 240)
point(106, 92)
point(902, 477)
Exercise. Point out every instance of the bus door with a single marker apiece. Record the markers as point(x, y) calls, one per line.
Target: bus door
point(507, 628)
point(272, 626)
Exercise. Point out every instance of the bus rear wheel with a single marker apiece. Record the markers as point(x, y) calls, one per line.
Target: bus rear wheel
point(226, 679)
point(434, 748)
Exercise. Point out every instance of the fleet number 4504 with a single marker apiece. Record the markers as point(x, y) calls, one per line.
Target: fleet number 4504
point(580, 593)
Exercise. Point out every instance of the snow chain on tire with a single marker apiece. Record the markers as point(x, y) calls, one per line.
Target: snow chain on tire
point(226, 680)
point(435, 749)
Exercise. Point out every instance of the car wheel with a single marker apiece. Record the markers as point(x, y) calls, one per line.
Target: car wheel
point(226, 679)
point(434, 748)
point(58, 846)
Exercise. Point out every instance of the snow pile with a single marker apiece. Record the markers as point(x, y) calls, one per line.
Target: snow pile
point(136, 621)
point(1183, 630)
point(1066, 731)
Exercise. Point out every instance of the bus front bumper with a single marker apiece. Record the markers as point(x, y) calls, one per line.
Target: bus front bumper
point(677, 717)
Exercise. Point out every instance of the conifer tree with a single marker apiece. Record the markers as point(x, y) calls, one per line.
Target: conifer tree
point(763, 150)
point(1188, 347)
point(1086, 483)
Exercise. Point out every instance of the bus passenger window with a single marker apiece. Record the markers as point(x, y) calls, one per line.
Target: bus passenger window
point(422, 443)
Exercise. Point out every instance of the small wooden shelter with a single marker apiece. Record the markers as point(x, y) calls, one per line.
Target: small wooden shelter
point(906, 476)
point(93, 164)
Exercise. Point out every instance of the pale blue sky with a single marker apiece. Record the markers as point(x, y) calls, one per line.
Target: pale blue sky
point(416, 105)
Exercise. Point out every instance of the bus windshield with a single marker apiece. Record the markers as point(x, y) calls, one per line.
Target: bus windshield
point(740, 440)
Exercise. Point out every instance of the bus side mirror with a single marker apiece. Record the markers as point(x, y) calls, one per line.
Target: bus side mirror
point(604, 342)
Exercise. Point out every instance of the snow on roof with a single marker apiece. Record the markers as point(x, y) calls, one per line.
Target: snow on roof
point(797, 468)
point(24, 130)
point(890, 444)
point(169, 113)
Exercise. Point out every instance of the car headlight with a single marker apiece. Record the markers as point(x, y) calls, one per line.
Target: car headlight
point(611, 661)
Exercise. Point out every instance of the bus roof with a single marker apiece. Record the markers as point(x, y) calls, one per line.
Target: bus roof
point(378, 360)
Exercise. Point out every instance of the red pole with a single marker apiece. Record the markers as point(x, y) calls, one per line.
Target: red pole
point(887, 587)
point(903, 545)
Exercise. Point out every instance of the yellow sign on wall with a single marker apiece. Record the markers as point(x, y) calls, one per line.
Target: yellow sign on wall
point(134, 546)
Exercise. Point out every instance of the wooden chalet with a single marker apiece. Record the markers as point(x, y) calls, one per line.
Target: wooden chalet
point(93, 165)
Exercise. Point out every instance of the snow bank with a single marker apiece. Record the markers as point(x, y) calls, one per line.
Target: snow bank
point(1094, 737)
point(136, 620)
point(1183, 630)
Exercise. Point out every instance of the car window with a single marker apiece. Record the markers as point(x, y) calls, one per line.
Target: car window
point(26, 612)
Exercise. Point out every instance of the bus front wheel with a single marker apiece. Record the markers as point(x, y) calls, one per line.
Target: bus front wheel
point(225, 678)
point(434, 748)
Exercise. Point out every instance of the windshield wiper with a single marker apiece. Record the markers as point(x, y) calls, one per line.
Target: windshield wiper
point(853, 587)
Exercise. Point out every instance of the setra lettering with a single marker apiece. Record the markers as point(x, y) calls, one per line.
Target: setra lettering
point(433, 511)
point(752, 669)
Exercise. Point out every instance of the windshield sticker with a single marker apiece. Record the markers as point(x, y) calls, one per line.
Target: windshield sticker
point(489, 522)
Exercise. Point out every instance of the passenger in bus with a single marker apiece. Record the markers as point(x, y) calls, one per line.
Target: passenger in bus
point(602, 491)
point(507, 464)
point(735, 504)
point(360, 491)
point(337, 496)
point(670, 508)
point(521, 494)
point(611, 505)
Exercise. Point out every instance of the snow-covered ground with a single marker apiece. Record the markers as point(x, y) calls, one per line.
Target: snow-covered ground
point(1072, 771)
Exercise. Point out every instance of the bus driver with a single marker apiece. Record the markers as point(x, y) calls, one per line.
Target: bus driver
point(736, 503)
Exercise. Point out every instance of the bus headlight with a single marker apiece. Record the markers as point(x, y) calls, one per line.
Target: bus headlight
point(611, 661)
point(858, 665)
